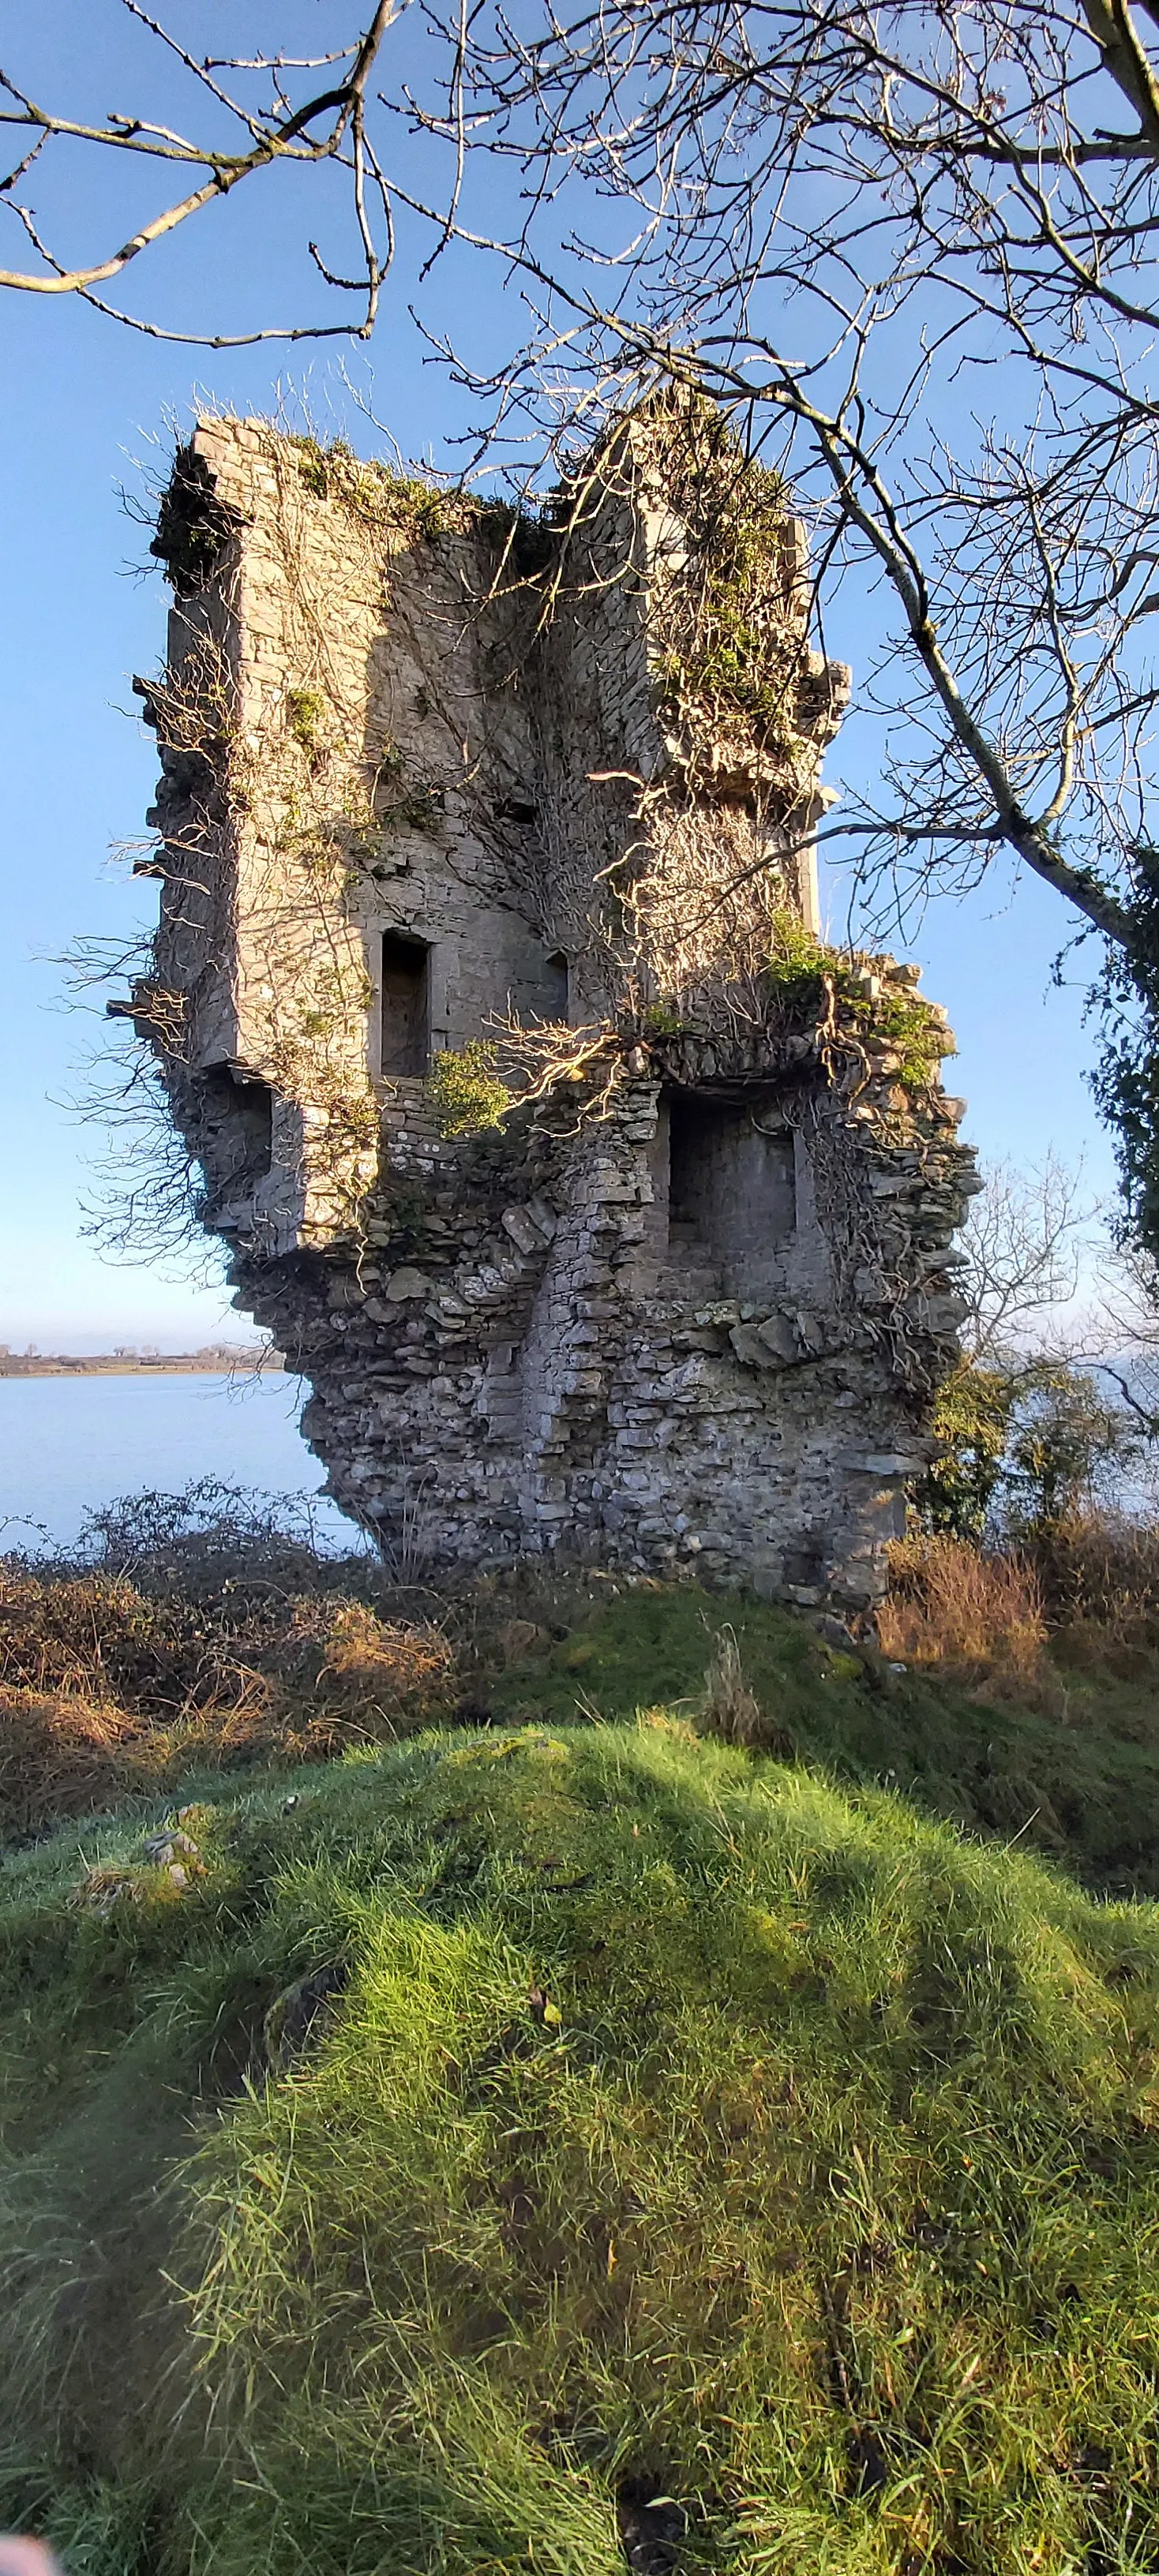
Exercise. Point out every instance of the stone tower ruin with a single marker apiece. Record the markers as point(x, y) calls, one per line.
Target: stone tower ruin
point(606, 1210)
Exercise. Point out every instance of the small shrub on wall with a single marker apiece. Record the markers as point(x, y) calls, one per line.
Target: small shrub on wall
point(466, 1091)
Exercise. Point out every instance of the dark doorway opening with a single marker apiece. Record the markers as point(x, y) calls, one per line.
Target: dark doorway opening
point(405, 1004)
point(731, 1190)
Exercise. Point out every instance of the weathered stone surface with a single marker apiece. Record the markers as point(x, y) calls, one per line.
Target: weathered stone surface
point(674, 1316)
point(403, 1284)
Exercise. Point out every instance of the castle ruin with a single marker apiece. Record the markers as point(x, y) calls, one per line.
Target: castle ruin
point(606, 1210)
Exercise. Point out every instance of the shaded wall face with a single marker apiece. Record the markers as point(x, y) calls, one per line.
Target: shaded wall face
point(732, 1183)
point(454, 863)
point(445, 962)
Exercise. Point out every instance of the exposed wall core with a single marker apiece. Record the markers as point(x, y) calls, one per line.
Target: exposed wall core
point(235, 1141)
point(439, 780)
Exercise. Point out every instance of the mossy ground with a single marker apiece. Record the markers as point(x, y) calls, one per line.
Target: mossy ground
point(489, 2134)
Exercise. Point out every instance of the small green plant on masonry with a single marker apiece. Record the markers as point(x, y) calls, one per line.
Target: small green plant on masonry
point(915, 1031)
point(796, 960)
point(797, 963)
point(305, 711)
point(465, 1090)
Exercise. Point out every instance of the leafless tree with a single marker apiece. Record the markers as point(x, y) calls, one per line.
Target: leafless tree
point(248, 116)
point(911, 248)
point(1050, 1295)
point(1124, 1347)
point(914, 249)
point(1023, 1249)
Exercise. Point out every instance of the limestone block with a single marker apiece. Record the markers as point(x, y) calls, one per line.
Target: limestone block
point(520, 1225)
point(779, 1337)
point(890, 1464)
point(403, 1284)
point(751, 1348)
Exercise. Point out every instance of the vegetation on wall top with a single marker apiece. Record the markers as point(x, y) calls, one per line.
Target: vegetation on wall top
point(803, 975)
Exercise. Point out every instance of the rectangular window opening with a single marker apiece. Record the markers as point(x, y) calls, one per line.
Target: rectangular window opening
point(405, 1004)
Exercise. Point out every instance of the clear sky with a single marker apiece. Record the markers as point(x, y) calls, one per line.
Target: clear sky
point(82, 403)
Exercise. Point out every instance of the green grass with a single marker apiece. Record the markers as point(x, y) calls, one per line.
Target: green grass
point(1084, 1790)
point(687, 2125)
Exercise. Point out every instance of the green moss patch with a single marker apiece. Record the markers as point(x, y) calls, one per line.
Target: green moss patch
point(801, 973)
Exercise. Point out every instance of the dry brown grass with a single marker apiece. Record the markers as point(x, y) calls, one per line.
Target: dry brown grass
point(980, 1620)
point(731, 1710)
point(108, 1690)
point(61, 1756)
point(1100, 1576)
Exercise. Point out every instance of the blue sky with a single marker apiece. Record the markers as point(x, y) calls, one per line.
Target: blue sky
point(82, 403)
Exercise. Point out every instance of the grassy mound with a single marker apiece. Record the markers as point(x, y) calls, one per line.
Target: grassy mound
point(570, 2148)
point(177, 1656)
point(1075, 1771)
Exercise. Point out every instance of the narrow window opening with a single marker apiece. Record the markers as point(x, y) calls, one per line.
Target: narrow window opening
point(405, 1005)
point(559, 984)
point(688, 1195)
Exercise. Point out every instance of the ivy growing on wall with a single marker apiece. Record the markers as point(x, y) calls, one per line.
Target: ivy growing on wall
point(1126, 1081)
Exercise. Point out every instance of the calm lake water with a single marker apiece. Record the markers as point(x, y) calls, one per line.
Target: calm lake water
point(69, 1444)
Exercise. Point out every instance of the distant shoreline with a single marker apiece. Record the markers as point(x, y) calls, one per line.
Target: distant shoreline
point(221, 1363)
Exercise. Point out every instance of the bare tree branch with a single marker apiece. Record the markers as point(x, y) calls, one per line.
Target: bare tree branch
point(288, 136)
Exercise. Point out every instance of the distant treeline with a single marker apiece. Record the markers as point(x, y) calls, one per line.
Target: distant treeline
point(216, 1359)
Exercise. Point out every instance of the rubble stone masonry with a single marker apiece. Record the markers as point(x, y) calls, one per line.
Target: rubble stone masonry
point(439, 776)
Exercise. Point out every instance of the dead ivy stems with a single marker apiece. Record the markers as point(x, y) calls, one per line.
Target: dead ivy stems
point(380, 509)
point(550, 1058)
point(641, 880)
point(148, 1197)
point(715, 583)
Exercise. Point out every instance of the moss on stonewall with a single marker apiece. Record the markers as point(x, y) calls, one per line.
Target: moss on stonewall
point(801, 971)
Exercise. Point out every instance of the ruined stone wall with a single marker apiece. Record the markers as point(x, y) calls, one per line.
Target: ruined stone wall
point(365, 774)
point(686, 1306)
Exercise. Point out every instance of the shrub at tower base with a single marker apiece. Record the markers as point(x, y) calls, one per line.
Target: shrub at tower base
point(572, 2147)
